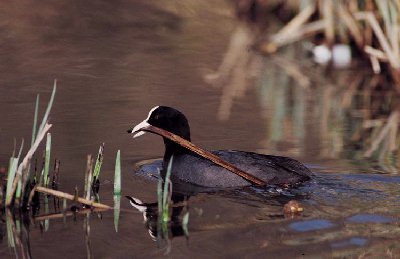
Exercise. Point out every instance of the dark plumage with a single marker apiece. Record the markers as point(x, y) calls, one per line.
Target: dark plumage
point(190, 167)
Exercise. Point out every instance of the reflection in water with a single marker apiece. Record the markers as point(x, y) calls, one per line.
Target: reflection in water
point(160, 230)
point(239, 65)
point(369, 218)
point(86, 227)
point(311, 110)
point(357, 241)
point(311, 225)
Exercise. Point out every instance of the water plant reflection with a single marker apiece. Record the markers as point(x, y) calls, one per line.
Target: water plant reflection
point(162, 219)
point(314, 111)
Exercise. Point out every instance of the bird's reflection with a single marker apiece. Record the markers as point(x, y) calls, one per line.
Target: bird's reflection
point(151, 218)
point(288, 202)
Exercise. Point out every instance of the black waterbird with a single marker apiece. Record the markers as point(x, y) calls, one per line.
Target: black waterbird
point(192, 168)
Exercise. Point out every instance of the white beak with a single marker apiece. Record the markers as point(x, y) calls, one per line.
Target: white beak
point(137, 130)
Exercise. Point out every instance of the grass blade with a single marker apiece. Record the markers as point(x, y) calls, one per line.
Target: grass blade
point(35, 120)
point(159, 198)
point(117, 176)
point(49, 105)
point(166, 192)
point(99, 162)
point(10, 234)
point(25, 161)
point(47, 160)
point(117, 206)
point(12, 170)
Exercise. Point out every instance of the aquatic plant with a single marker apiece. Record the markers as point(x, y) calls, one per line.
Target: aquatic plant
point(19, 174)
point(97, 167)
point(35, 120)
point(117, 175)
point(117, 190)
point(12, 170)
point(165, 192)
point(88, 177)
point(47, 160)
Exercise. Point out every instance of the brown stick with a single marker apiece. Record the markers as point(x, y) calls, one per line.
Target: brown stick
point(207, 155)
point(71, 197)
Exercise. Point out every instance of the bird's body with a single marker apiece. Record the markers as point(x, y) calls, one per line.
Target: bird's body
point(192, 168)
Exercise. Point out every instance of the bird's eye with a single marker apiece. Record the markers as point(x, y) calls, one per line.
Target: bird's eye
point(157, 117)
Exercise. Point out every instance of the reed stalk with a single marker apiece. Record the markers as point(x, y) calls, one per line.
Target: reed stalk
point(167, 192)
point(47, 160)
point(11, 176)
point(99, 162)
point(117, 175)
point(35, 120)
point(71, 197)
point(48, 109)
point(117, 210)
point(25, 162)
point(88, 177)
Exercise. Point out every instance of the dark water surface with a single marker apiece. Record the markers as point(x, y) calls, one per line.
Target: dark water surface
point(116, 60)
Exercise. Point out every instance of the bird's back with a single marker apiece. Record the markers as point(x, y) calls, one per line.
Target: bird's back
point(194, 169)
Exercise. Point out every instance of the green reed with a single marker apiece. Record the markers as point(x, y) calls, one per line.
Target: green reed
point(99, 162)
point(117, 189)
point(117, 175)
point(18, 173)
point(35, 120)
point(47, 160)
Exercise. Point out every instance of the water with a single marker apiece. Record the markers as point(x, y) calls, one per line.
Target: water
point(115, 61)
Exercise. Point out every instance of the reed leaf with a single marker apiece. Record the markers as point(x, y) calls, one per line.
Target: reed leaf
point(35, 120)
point(19, 186)
point(117, 176)
point(9, 224)
point(88, 177)
point(159, 198)
point(117, 210)
point(25, 162)
point(99, 162)
point(47, 160)
point(48, 109)
point(12, 170)
point(167, 192)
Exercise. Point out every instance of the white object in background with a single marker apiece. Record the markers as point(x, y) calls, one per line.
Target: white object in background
point(322, 54)
point(341, 55)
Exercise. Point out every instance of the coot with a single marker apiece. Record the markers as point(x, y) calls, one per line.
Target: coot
point(190, 167)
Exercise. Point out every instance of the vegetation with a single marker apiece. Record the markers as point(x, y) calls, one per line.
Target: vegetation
point(21, 187)
point(370, 27)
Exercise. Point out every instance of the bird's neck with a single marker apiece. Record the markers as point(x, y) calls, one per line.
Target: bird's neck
point(172, 149)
